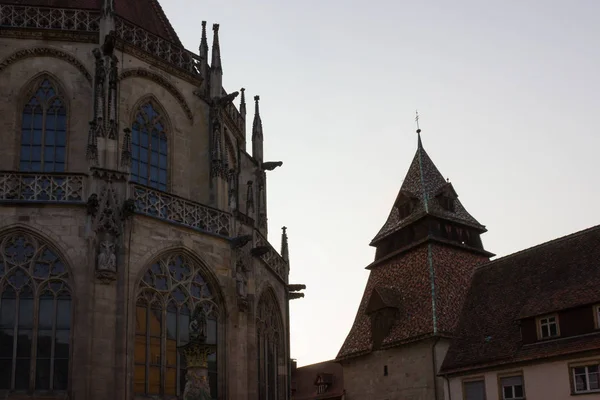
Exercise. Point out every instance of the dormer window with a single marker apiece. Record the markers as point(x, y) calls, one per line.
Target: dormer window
point(447, 203)
point(404, 209)
point(321, 388)
point(548, 327)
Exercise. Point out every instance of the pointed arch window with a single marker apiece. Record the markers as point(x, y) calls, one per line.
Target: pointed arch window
point(149, 148)
point(169, 292)
point(270, 349)
point(35, 316)
point(44, 130)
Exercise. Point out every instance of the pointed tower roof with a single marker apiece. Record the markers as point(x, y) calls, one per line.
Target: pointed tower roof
point(257, 131)
point(147, 14)
point(424, 184)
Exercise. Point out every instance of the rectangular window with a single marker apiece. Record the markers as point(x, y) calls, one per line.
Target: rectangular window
point(586, 379)
point(548, 327)
point(597, 316)
point(474, 390)
point(512, 388)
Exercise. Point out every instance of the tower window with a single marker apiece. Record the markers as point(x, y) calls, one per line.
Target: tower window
point(404, 209)
point(385, 370)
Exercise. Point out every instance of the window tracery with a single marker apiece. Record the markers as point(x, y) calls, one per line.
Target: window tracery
point(270, 347)
point(44, 130)
point(149, 148)
point(35, 315)
point(169, 292)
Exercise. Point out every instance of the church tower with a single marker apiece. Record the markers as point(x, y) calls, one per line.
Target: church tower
point(425, 256)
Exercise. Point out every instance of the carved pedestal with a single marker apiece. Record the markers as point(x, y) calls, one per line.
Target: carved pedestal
point(196, 353)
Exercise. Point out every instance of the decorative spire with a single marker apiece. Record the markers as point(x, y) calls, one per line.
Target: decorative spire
point(92, 147)
point(204, 43)
point(250, 199)
point(126, 151)
point(243, 103)
point(285, 253)
point(257, 134)
point(216, 50)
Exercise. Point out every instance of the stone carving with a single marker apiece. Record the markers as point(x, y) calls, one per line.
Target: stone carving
point(250, 199)
point(107, 215)
point(232, 189)
point(198, 325)
point(45, 52)
point(108, 8)
point(126, 150)
point(271, 165)
point(106, 267)
point(196, 385)
point(160, 80)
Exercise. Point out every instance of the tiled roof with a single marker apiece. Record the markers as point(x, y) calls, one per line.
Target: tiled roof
point(303, 379)
point(410, 280)
point(553, 276)
point(147, 14)
point(424, 182)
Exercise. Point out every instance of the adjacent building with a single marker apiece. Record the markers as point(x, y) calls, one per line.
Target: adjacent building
point(321, 381)
point(426, 253)
point(530, 327)
point(129, 206)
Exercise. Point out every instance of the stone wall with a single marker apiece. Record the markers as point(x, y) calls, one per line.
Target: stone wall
point(104, 314)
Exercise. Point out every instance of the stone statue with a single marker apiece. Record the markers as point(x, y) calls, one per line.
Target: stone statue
point(107, 260)
point(198, 325)
point(240, 278)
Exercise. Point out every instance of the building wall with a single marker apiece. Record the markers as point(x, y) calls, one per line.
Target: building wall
point(104, 314)
point(410, 374)
point(542, 381)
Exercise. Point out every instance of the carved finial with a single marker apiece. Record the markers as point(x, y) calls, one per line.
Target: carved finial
point(126, 151)
point(285, 253)
point(204, 43)
point(250, 199)
point(243, 103)
point(92, 147)
point(257, 133)
point(216, 50)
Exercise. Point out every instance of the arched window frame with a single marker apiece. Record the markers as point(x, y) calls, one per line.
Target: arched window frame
point(31, 90)
point(137, 158)
point(42, 267)
point(153, 298)
point(270, 347)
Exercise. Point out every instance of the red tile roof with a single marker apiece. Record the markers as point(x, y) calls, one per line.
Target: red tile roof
point(409, 277)
point(553, 276)
point(147, 14)
point(303, 380)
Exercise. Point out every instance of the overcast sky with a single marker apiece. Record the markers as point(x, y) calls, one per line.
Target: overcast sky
point(509, 98)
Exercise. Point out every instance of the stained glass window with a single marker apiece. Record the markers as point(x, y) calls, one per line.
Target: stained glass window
point(44, 131)
point(35, 315)
point(170, 290)
point(270, 348)
point(149, 148)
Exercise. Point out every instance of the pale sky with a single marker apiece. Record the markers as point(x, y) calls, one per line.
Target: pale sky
point(509, 98)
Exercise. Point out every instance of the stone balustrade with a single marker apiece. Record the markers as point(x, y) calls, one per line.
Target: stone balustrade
point(42, 187)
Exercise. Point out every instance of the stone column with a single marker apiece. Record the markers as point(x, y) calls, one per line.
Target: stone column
point(196, 353)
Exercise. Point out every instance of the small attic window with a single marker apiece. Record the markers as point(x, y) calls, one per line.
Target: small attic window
point(447, 203)
point(404, 209)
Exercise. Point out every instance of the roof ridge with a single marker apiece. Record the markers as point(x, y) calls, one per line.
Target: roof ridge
point(541, 245)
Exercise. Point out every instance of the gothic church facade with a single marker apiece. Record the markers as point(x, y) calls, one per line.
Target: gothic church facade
point(128, 202)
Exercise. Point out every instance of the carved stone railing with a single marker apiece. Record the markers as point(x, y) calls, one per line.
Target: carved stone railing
point(272, 258)
point(175, 209)
point(42, 187)
point(157, 46)
point(15, 16)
